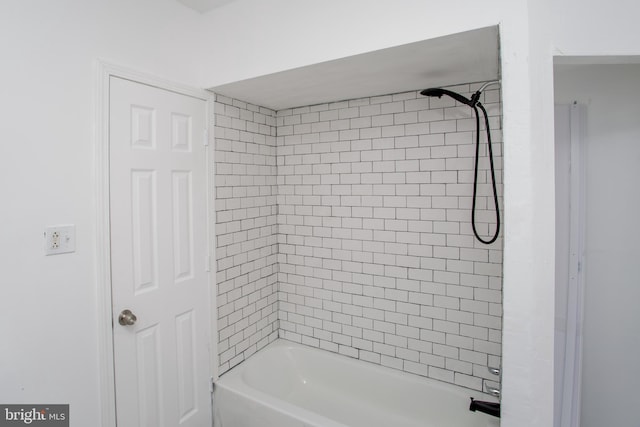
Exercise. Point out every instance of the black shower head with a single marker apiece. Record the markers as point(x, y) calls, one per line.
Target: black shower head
point(438, 92)
point(434, 91)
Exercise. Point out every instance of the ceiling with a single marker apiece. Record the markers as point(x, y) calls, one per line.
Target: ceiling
point(204, 6)
point(472, 56)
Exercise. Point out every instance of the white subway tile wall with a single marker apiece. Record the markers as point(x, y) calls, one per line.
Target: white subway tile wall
point(376, 258)
point(246, 229)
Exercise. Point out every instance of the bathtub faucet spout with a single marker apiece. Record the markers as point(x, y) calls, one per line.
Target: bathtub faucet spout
point(490, 408)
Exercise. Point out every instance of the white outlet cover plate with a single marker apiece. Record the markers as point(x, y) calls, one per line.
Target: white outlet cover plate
point(59, 239)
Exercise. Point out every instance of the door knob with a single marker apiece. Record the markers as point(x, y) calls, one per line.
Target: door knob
point(127, 318)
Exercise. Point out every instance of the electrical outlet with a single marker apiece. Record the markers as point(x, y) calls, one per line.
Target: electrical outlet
point(55, 240)
point(59, 239)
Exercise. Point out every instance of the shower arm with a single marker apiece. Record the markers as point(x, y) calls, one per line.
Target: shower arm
point(476, 96)
point(495, 82)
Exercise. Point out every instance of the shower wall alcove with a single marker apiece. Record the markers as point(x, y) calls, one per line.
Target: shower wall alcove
point(343, 203)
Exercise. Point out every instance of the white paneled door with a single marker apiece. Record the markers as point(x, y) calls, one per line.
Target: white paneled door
point(158, 184)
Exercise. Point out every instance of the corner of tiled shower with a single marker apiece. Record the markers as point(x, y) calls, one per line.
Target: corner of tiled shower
point(246, 229)
point(346, 226)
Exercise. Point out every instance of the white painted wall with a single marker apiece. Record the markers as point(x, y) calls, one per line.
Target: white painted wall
point(594, 27)
point(48, 307)
point(611, 318)
point(291, 33)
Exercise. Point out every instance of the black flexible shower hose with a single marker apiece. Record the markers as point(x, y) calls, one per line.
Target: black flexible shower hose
point(475, 106)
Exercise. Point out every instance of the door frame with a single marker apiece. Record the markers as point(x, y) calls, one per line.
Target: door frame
point(575, 280)
point(577, 265)
point(103, 73)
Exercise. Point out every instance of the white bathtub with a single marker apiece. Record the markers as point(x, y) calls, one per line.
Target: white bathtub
point(291, 385)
